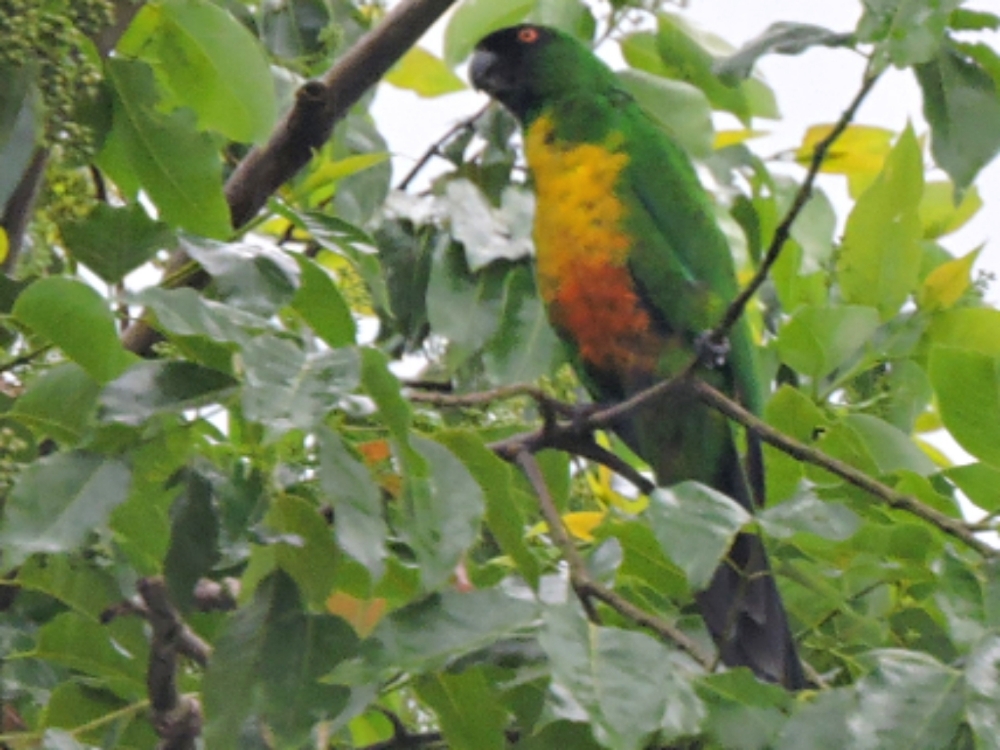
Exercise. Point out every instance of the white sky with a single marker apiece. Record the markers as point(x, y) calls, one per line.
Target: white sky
point(811, 88)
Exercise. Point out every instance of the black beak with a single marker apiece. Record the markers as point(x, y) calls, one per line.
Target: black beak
point(483, 72)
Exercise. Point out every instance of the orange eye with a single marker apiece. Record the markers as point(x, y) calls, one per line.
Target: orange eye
point(528, 35)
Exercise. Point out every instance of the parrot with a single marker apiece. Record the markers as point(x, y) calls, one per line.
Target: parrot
point(633, 270)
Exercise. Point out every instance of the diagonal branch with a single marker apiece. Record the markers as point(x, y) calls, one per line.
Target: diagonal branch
point(848, 473)
point(784, 229)
point(318, 107)
point(585, 586)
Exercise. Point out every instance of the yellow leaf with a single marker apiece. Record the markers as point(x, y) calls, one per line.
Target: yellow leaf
point(928, 421)
point(938, 213)
point(582, 523)
point(4, 245)
point(946, 284)
point(330, 171)
point(861, 149)
point(424, 74)
point(724, 138)
point(936, 455)
point(600, 484)
point(361, 614)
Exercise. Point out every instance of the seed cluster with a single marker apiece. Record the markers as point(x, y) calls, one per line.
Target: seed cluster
point(51, 37)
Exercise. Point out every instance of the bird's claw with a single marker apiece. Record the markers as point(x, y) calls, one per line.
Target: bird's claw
point(712, 352)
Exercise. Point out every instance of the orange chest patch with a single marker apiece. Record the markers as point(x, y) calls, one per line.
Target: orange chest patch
point(582, 252)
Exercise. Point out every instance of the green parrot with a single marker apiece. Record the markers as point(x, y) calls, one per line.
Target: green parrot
point(633, 270)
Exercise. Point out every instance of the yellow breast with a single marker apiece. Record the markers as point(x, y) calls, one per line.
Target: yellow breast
point(582, 250)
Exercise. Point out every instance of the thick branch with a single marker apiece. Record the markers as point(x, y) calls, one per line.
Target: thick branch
point(176, 718)
point(845, 471)
point(319, 106)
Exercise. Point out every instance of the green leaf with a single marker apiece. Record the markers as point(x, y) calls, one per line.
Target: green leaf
point(319, 301)
point(817, 340)
point(463, 308)
point(525, 347)
point(58, 501)
point(384, 388)
point(312, 559)
point(793, 413)
point(681, 109)
point(112, 241)
point(249, 277)
point(906, 32)
point(980, 482)
point(940, 214)
point(442, 512)
point(75, 318)
point(975, 328)
point(488, 233)
point(423, 73)
point(186, 313)
point(982, 679)
point(821, 724)
point(967, 384)
point(572, 16)
point(892, 449)
point(267, 662)
point(287, 388)
point(357, 503)
point(59, 404)
point(20, 125)
point(880, 257)
point(114, 655)
point(783, 37)
point(807, 513)
point(962, 105)
point(82, 587)
point(743, 713)
point(468, 709)
point(428, 634)
point(695, 526)
point(194, 537)
point(150, 388)
point(631, 686)
point(909, 700)
point(503, 514)
point(474, 19)
point(178, 167)
point(208, 61)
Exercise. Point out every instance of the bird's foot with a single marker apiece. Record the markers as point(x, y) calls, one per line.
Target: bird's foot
point(712, 352)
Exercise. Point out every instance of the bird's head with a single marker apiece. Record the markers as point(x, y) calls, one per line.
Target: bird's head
point(528, 67)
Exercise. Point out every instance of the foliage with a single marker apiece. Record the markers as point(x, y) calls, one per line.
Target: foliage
point(355, 563)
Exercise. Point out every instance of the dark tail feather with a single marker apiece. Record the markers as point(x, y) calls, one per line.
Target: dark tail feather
point(744, 614)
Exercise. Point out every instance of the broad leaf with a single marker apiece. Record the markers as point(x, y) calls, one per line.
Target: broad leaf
point(817, 340)
point(424, 74)
point(75, 318)
point(880, 257)
point(784, 38)
point(474, 19)
point(150, 388)
point(207, 61)
point(967, 384)
point(695, 526)
point(58, 501)
point(111, 242)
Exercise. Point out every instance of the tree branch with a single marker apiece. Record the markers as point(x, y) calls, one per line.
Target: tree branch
point(319, 105)
point(784, 229)
point(436, 147)
point(584, 585)
point(848, 473)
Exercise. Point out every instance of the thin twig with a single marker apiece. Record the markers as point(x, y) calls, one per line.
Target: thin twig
point(586, 587)
point(807, 454)
point(784, 229)
point(437, 147)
